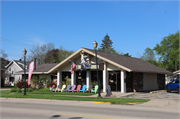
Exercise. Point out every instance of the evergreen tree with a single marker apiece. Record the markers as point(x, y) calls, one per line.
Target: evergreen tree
point(106, 45)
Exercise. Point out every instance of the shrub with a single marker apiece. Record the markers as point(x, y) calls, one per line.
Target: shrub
point(51, 84)
point(30, 90)
point(66, 82)
point(39, 82)
point(20, 84)
point(13, 90)
point(19, 90)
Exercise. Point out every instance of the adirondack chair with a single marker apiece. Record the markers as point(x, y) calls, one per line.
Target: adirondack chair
point(68, 87)
point(61, 89)
point(72, 88)
point(95, 89)
point(78, 87)
point(57, 88)
point(52, 88)
point(88, 89)
point(83, 88)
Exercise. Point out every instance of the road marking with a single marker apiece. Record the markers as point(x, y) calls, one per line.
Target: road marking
point(87, 116)
point(101, 102)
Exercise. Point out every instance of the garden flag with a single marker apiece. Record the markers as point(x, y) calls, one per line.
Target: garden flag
point(31, 68)
point(72, 67)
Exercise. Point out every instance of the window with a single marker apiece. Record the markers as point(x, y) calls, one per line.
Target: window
point(10, 69)
point(177, 81)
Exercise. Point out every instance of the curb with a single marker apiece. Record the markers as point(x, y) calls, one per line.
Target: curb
point(95, 102)
point(127, 95)
point(158, 91)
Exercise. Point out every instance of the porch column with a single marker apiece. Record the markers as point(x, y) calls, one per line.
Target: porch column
point(123, 84)
point(104, 77)
point(59, 77)
point(72, 78)
point(87, 78)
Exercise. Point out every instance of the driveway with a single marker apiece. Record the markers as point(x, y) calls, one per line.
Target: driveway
point(158, 95)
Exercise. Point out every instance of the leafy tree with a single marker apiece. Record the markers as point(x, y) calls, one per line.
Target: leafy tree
point(148, 55)
point(168, 50)
point(52, 56)
point(63, 53)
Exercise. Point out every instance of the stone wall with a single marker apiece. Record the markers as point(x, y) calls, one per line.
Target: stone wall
point(137, 81)
point(161, 81)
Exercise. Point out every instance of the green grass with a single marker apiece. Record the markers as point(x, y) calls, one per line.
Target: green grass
point(9, 94)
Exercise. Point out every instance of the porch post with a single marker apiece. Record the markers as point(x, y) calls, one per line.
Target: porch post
point(72, 78)
point(123, 84)
point(59, 77)
point(87, 78)
point(104, 77)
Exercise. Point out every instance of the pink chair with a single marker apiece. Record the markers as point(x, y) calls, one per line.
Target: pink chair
point(78, 87)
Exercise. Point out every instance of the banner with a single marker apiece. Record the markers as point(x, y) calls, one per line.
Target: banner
point(72, 67)
point(31, 68)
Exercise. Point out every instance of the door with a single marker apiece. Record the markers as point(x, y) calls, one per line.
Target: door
point(114, 81)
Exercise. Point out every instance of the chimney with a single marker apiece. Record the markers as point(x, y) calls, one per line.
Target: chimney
point(34, 63)
point(19, 59)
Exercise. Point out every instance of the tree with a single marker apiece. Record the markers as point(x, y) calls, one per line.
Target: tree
point(148, 55)
point(52, 56)
point(168, 49)
point(57, 55)
point(127, 54)
point(63, 53)
point(3, 54)
point(3, 57)
point(106, 45)
point(39, 52)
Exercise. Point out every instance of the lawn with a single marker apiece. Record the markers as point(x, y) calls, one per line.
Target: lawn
point(58, 96)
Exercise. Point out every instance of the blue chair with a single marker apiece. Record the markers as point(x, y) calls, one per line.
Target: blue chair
point(83, 88)
point(68, 87)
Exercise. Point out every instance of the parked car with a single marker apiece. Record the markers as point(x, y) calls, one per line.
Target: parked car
point(173, 85)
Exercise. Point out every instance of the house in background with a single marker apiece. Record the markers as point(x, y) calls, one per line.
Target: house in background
point(13, 67)
point(2, 76)
point(40, 71)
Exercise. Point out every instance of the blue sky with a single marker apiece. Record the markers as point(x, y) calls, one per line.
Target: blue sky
point(132, 25)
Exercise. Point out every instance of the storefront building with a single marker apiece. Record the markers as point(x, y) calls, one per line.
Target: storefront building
point(122, 73)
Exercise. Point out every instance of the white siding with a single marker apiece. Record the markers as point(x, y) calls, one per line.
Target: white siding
point(150, 81)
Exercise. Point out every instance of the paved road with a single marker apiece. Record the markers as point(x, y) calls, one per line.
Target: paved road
point(55, 109)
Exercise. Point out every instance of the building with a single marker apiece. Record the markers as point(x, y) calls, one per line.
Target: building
point(40, 71)
point(13, 67)
point(122, 73)
point(2, 76)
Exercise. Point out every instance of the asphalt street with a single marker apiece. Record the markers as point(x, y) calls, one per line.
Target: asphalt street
point(56, 109)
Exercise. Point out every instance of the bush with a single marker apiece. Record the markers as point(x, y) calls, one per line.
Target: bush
point(19, 90)
point(39, 82)
point(20, 84)
point(51, 84)
point(30, 90)
point(13, 90)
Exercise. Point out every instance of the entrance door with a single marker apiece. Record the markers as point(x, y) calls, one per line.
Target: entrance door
point(114, 81)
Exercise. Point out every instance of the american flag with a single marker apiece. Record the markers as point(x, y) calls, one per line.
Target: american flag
point(72, 66)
